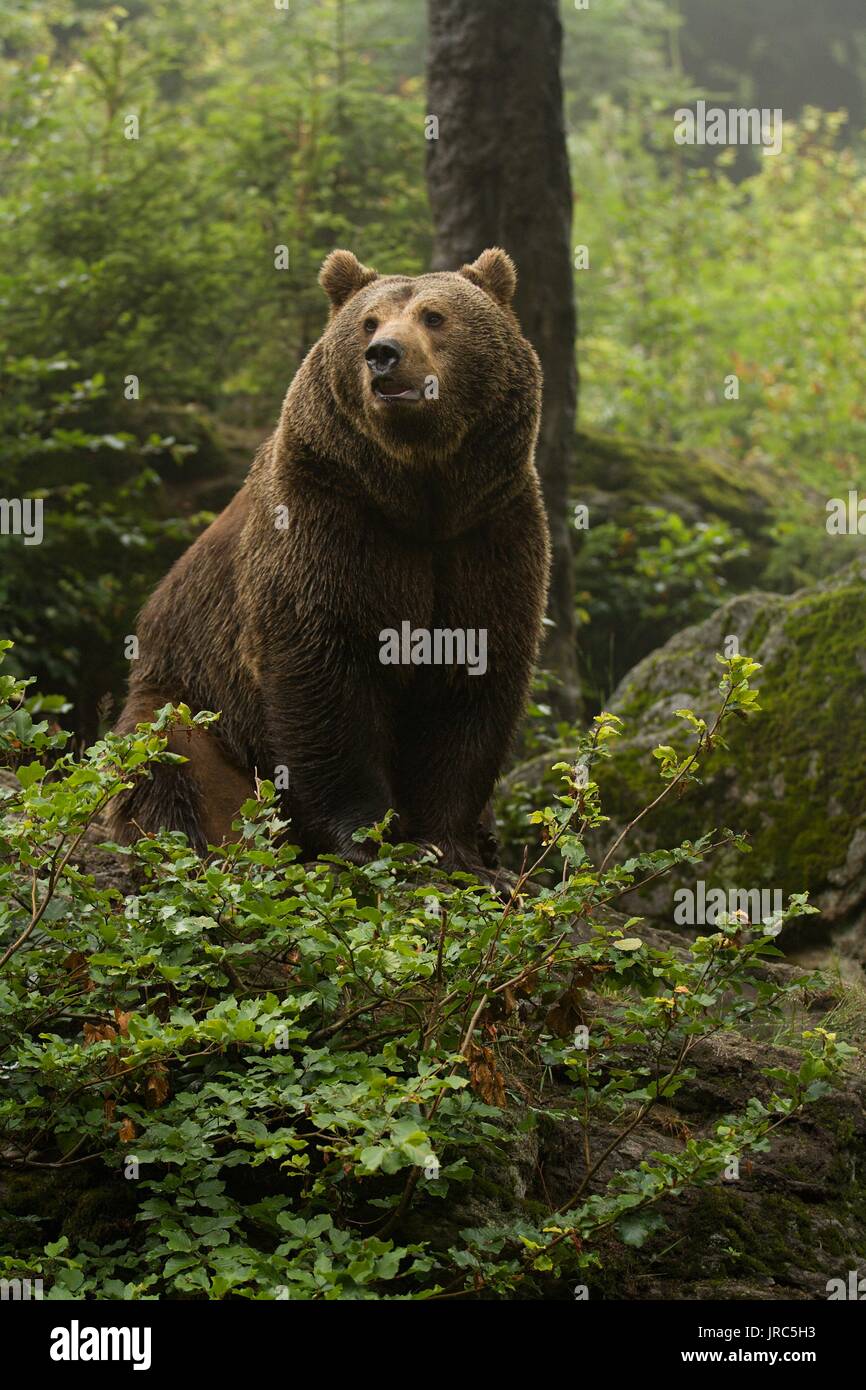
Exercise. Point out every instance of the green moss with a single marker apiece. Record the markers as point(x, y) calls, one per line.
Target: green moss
point(638, 696)
point(718, 1242)
point(41, 1205)
point(691, 483)
point(793, 775)
point(758, 630)
point(102, 1215)
point(485, 1186)
point(723, 1222)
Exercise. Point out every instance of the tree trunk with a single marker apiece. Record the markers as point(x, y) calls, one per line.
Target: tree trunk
point(498, 176)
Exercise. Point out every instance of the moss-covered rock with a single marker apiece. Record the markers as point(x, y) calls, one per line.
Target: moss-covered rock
point(72, 1202)
point(789, 1220)
point(668, 534)
point(613, 474)
point(793, 777)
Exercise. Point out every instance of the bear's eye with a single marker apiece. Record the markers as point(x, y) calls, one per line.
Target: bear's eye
point(370, 325)
point(432, 319)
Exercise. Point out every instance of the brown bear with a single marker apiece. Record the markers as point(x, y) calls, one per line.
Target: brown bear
point(366, 612)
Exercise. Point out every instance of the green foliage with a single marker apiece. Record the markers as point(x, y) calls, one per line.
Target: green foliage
point(288, 1080)
point(150, 252)
point(646, 578)
point(282, 1072)
point(623, 51)
point(695, 278)
point(105, 526)
point(260, 129)
point(271, 139)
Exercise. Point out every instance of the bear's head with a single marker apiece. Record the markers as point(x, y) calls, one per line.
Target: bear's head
point(419, 363)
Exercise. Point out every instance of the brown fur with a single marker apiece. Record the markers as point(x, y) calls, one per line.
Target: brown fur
point(427, 512)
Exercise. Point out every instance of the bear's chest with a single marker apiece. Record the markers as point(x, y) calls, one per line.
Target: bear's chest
point(402, 607)
point(451, 583)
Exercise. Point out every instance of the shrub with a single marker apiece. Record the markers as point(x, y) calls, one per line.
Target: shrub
point(273, 1075)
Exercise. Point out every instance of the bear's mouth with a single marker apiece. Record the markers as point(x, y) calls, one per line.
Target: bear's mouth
point(391, 393)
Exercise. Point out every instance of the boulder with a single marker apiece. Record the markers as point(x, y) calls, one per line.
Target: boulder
point(639, 577)
point(614, 474)
point(793, 776)
point(792, 1220)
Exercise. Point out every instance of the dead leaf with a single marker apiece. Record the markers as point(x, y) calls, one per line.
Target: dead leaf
point(667, 1120)
point(76, 964)
point(485, 1078)
point(157, 1085)
point(94, 1034)
point(565, 1015)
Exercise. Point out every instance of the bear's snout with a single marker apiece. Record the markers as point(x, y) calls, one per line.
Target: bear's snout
point(383, 355)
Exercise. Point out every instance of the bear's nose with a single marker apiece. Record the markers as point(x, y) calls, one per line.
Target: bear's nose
point(383, 355)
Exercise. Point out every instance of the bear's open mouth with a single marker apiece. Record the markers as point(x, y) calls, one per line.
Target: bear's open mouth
point(389, 393)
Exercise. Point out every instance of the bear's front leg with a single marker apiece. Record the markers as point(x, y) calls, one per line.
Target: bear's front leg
point(453, 746)
point(331, 735)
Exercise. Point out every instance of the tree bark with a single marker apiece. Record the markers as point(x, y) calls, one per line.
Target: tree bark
point(498, 175)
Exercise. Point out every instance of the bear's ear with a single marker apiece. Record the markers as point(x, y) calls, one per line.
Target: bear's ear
point(342, 275)
point(494, 273)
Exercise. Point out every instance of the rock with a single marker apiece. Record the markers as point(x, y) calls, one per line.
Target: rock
point(794, 775)
point(638, 578)
point(794, 1219)
point(614, 474)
